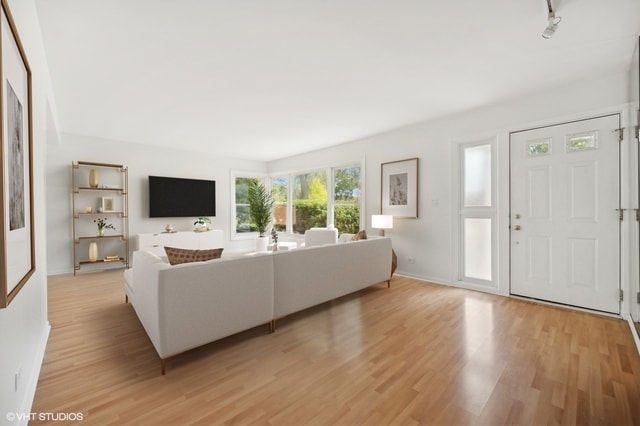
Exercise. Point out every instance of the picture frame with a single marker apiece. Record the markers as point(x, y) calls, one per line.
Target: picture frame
point(17, 232)
point(108, 204)
point(399, 188)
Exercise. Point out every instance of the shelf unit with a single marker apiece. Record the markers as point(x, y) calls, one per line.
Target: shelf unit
point(110, 190)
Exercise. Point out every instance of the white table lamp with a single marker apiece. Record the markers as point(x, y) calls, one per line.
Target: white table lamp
point(382, 222)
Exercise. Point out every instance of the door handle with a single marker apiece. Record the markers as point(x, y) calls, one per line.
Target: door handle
point(517, 227)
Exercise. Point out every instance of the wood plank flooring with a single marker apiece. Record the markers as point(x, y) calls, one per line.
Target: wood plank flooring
point(414, 354)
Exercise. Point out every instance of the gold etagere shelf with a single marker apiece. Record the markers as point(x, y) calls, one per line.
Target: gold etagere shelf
point(99, 190)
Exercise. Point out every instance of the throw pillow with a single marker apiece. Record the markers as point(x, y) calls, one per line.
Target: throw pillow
point(362, 235)
point(177, 256)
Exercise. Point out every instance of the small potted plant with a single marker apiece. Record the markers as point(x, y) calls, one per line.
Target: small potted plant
point(260, 205)
point(102, 225)
point(202, 224)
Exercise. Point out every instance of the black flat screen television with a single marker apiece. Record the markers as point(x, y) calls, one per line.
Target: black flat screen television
point(180, 197)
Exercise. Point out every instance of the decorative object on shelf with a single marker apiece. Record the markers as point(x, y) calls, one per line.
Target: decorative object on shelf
point(89, 210)
point(274, 236)
point(168, 228)
point(260, 206)
point(107, 204)
point(93, 178)
point(102, 225)
point(93, 251)
point(399, 192)
point(17, 237)
point(112, 258)
point(201, 224)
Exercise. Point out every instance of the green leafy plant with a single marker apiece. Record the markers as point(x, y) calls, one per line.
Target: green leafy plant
point(260, 205)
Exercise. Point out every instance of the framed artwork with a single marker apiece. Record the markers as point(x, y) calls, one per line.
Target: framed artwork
point(107, 204)
point(399, 192)
point(17, 242)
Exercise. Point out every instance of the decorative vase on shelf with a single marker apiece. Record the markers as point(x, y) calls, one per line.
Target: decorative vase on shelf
point(93, 178)
point(100, 232)
point(93, 252)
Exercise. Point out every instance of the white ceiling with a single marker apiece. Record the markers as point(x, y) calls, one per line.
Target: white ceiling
point(262, 79)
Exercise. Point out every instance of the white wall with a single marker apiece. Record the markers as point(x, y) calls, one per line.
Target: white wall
point(23, 325)
point(142, 161)
point(427, 239)
point(430, 238)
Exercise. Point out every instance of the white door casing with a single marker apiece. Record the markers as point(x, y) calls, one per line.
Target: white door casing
point(565, 226)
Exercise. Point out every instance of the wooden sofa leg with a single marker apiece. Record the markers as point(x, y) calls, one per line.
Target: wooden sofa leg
point(163, 366)
point(272, 326)
point(126, 298)
point(389, 283)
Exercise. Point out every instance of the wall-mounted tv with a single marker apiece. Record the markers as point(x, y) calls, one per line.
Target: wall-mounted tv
point(180, 197)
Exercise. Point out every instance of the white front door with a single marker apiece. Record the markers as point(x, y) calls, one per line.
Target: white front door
point(565, 226)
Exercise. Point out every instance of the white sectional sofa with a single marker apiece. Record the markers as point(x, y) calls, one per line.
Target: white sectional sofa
point(185, 306)
point(312, 275)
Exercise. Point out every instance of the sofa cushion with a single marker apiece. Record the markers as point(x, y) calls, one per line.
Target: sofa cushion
point(362, 235)
point(177, 256)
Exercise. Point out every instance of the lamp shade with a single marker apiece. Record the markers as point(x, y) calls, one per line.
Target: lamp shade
point(382, 221)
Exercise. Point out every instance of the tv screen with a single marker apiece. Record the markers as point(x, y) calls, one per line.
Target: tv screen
point(180, 197)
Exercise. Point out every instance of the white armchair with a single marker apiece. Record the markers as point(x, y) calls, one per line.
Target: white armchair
point(319, 236)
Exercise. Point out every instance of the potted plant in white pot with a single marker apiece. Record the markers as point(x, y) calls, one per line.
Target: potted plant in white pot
point(260, 205)
point(202, 224)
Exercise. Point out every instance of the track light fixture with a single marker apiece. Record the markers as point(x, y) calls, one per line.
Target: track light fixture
point(553, 22)
point(551, 28)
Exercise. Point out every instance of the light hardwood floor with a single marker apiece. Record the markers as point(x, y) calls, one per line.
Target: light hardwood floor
point(416, 353)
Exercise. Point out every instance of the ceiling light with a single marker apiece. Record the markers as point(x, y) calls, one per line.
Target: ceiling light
point(553, 22)
point(551, 28)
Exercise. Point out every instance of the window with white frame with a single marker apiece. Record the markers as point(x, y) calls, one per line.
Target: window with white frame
point(347, 198)
point(280, 191)
point(305, 200)
point(477, 213)
point(309, 200)
point(241, 221)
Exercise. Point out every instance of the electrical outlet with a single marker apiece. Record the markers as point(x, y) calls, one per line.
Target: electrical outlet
point(411, 260)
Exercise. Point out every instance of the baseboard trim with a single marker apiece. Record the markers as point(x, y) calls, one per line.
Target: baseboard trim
point(634, 332)
point(32, 383)
point(457, 284)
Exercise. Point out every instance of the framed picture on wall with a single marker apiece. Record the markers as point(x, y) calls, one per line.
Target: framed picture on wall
point(399, 190)
point(17, 242)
